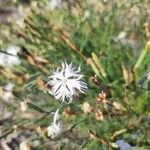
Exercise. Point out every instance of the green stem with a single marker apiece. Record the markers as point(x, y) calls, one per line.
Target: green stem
point(142, 56)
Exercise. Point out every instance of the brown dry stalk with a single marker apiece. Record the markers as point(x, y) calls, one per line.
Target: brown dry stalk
point(65, 38)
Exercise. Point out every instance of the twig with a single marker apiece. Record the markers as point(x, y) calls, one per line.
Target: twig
point(70, 128)
point(118, 133)
point(70, 44)
point(134, 124)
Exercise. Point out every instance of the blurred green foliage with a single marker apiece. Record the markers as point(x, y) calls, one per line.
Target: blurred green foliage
point(72, 33)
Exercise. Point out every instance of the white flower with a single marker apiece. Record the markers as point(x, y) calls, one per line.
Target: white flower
point(55, 127)
point(66, 82)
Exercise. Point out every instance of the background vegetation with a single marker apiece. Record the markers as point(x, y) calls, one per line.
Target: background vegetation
point(109, 40)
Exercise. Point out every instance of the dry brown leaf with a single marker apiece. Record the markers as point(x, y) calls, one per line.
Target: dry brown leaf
point(102, 98)
point(86, 107)
point(68, 111)
point(39, 130)
point(92, 135)
point(96, 60)
point(67, 41)
point(98, 64)
point(99, 115)
point(7, 73)
point(41, 84)
point(94, 67)
point(117, 106)
point(30, 60)
point(23, 106)
point(128, 74)
point(41, 59)
point(147, 30)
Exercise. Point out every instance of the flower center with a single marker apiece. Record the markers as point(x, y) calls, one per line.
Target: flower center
point(64, 81)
